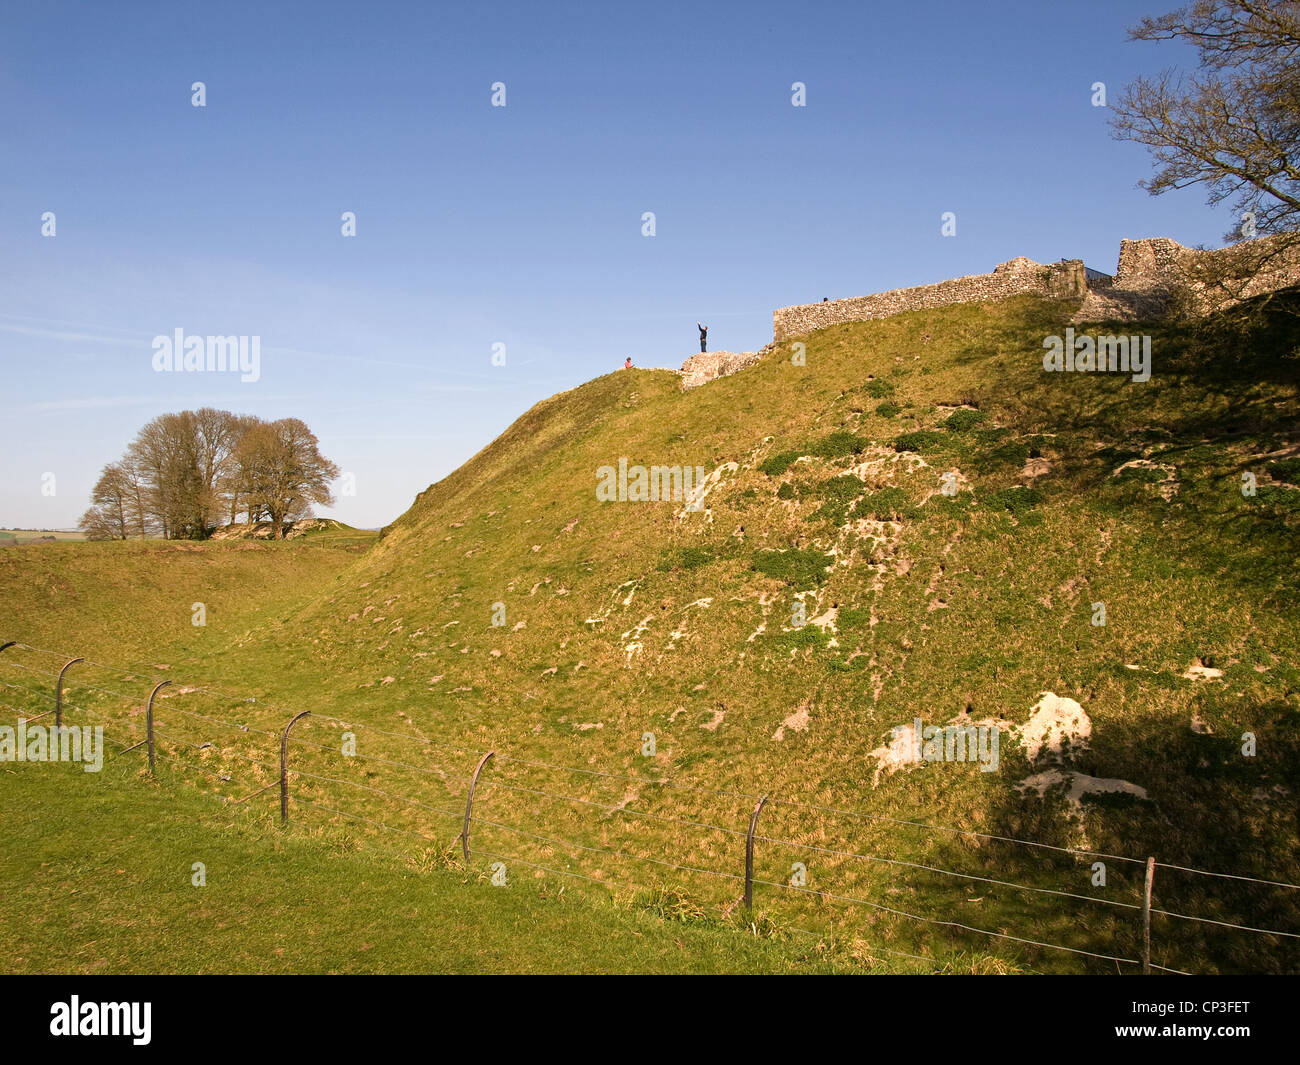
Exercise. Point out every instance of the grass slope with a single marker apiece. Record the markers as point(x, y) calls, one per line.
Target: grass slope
point(134, 599)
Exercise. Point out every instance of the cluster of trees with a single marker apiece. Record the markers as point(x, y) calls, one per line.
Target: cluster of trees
point(185, 474)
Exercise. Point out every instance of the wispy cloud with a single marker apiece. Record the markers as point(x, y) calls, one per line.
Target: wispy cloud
point(392, 402)
point(46, 333)
point(395, 436)
point(366, 360)
point(94, 402)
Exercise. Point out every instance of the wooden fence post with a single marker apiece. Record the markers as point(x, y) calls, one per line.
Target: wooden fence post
point(284, 768)
point(749, 855)
point(1146, 915)
point(469, 805)
point(148, 721)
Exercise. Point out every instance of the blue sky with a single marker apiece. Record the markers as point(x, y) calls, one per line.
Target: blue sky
point(518, 225)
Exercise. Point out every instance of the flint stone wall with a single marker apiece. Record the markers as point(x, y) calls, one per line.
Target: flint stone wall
point(1212, 279)
point(1157, 275)
point(1064, 280)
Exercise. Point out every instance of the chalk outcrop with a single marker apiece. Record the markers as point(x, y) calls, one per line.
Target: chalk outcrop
point(265, 530)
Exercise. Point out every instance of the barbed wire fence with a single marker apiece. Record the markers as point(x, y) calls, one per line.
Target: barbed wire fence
point(621, 850)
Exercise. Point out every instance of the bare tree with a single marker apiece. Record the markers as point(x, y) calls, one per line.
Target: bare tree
point(179, 458)
point(229, 482)
point(1235, 126)
point(119, 509)
point(110, 515)
point(283, 472)
point(158, 451)
point(139, 521)
point(216, 433)
point(98, 524)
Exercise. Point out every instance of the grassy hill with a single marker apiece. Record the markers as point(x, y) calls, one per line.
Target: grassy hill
point(626, 620)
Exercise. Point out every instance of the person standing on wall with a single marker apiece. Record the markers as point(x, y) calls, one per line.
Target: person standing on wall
point(704, 336)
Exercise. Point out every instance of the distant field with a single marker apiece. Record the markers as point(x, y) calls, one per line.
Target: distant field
point(25, 535)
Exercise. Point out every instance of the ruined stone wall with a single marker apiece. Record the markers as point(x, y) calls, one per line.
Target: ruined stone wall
point(1151, 273)
point(1159, 269)
point(704, 367)
point(1063, 280)
point(1148, 264)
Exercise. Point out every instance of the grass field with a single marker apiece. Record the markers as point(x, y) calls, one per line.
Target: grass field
point(276, 902)
point(641, 676)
